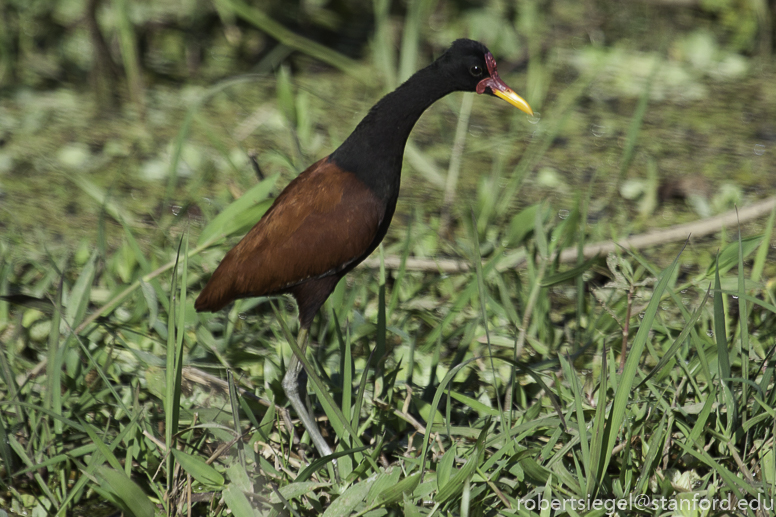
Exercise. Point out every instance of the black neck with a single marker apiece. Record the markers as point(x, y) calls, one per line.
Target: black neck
point(375, 149)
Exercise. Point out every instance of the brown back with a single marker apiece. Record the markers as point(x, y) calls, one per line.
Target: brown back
point(321, 223)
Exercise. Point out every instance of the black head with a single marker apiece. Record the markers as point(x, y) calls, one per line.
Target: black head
point(470, 67)
point(464, 64)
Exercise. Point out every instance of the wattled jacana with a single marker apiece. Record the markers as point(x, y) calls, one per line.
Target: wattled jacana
point(334, 214)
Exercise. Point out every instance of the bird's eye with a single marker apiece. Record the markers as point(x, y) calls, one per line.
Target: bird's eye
point(475, 70)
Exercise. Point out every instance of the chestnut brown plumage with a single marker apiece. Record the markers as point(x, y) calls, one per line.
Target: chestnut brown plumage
point(335, 213)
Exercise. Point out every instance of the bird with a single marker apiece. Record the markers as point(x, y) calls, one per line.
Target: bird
point(335, 213)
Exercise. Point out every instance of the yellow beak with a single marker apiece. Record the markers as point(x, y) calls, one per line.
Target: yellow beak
point(513, 99)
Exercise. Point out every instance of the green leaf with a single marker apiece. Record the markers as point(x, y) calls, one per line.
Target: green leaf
point(106, 451)
point(455, 485)
point(547, 496)
point(237, 502)
point(152, 302)
point(238, 477)
point(654, 448)
point(623, 390)
point(669, 354)
point(409, 508)
point(349, 500)
point(99, 195)
point(574, 272)
point(475, 404)
point(241, 213)
point(43, 305)
point(576, 390)
point(79, 296)
point(762, 251)
point(320, 462)
point(637, 120)
point(435, 404)
point(265, 426)
point(395, 493)
point(285, 93)
point(729, 256)
point(723, 353)
point(598, 454)
point(521, 225)
point(386, 479)
point(534, 471)
point(295, 490)
point(199, 470)
point(117, 483)
point(445, 466)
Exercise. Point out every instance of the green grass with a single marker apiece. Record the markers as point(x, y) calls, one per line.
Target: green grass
point(468, 394)
point(421, 429)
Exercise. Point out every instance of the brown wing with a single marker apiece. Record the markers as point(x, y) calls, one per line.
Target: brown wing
point(322, 222)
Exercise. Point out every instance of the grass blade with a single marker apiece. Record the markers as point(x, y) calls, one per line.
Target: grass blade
point(743, 322)
point(669, 354)
point(723, 355)
point(126, 490)
point(623, 390)
point(295, 41)
point(598, 453)
point(199, 470)
point(637, 120)
point(762, 251)
point(576, 391)
point(173, 371)
point(240, 214)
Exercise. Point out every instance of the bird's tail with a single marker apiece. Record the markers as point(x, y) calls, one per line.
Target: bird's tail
point(215, 295)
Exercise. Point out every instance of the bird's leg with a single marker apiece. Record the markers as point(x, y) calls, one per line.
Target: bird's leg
point(291, 386)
